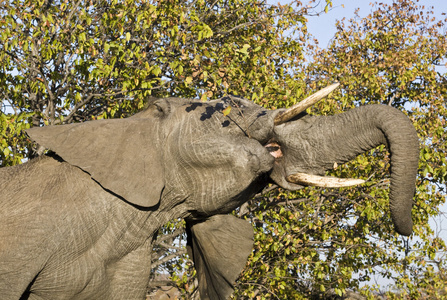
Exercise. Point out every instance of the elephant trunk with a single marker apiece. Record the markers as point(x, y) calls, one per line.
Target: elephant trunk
point(402, 142)
point(340, 138)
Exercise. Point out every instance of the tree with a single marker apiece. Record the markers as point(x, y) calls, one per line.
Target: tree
point(70, 61)
point(392, 57)
point(310, 244)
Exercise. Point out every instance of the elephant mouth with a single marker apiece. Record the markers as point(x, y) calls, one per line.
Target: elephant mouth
point(296, 180)
point(274, 149)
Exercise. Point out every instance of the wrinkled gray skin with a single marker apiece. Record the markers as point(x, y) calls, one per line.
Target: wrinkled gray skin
point(79, 223)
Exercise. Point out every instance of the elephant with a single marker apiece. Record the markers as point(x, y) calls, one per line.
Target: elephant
point(79, 221)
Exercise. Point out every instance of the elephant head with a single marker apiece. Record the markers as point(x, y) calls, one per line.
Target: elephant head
point(310, 146)
point(201, 160)
point(175, 148)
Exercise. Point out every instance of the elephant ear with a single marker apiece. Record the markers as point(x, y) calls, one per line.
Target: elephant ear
point(219, 247)
point(119, 154)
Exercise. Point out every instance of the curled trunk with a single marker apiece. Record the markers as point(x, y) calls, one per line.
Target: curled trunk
point(314, 144)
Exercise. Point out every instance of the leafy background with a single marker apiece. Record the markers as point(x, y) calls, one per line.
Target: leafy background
point(72, 61)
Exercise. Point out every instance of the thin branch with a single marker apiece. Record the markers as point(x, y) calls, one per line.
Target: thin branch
point(159, 262)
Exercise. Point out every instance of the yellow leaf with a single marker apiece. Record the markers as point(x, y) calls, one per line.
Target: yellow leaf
point(226, 111)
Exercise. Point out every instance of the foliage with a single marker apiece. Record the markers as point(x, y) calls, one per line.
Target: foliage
point(321, 243)
point(65, 61)
point(70, 61)
point(13, 144)
point(392, 57)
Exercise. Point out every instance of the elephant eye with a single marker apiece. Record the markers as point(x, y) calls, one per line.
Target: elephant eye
point(162, 107)
point(158, 107)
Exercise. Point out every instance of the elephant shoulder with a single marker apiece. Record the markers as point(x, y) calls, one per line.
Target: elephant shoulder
point(18, 175)
point(47, 181)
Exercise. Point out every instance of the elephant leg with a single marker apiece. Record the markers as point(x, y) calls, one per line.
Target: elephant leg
point(22, 256)
point(131, 274)
point(13, 285)
point(18, 274)
point(32, 297)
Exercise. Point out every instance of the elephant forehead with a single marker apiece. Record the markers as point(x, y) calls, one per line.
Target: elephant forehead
point(200, 124)
point(202, 110)
point(224, 113)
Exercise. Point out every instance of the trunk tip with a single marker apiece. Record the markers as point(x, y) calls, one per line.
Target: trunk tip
point(404, 228)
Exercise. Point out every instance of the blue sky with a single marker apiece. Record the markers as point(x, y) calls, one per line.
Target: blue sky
point(323, 26)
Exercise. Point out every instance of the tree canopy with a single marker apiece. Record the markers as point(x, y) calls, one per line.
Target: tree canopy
point(71, 61)
point(311, 243)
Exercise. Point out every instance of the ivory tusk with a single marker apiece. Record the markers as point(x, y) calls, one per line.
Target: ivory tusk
point(322, 181)
point(298, 108)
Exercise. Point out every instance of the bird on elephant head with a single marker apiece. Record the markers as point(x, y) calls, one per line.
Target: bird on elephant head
point(79, 222)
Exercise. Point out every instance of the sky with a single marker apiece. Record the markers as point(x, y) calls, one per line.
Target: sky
point(322, 27)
